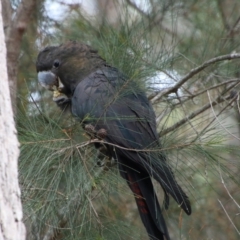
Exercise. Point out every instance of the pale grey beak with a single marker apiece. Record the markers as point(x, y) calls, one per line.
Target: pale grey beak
point(48, 80)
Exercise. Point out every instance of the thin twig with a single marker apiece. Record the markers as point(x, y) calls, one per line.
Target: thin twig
point(210, 88)
point(229, 217)
point(238, 104)
point(229, 194)
point(216, 101)
point(185, 113)
point(218, 119)
point(95, 212)
point(190, 116)
point(214, 119)
point(193, 72)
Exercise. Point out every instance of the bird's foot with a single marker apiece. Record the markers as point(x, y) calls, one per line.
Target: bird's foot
point(101, 133)
point(91, 131)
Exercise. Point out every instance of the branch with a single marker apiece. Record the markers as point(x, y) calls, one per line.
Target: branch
point(192, 96)
point(193, 72)
point(215, 116)
point(216, 101)
point(214, 119)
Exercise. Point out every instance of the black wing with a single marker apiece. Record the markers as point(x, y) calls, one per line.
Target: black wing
point(102, 100)
point(129, 120)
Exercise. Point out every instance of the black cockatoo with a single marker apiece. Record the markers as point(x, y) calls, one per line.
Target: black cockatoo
point(101, 97)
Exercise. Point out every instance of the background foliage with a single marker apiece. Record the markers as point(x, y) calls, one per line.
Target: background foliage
point(65, 194)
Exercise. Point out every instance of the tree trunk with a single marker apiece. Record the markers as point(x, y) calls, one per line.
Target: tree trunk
point(11, 225)
point(15, 25)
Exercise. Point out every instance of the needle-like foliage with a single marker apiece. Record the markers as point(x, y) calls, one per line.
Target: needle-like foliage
point(187, 61)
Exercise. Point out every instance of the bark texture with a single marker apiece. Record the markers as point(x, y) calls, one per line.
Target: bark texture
point(11, 225)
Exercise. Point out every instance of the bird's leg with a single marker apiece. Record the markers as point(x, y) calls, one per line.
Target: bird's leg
point(104, 154)
point(104, 150)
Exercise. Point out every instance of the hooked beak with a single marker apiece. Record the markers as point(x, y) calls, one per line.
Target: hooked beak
point(48, 80)
point(51, 82)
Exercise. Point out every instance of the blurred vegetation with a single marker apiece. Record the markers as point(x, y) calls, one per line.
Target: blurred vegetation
point(65, 194)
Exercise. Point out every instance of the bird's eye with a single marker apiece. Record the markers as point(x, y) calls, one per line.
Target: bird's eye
point(56, 64)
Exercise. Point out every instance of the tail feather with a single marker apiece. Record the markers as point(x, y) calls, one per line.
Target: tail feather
point(148, 206)
point(161, 171)
point(166, 199)
point(165, 177)
point(137, 168)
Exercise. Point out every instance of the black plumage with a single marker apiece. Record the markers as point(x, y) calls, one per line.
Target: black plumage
point(102, 97)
